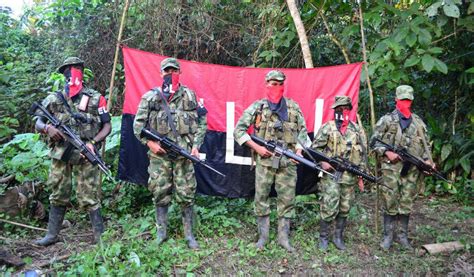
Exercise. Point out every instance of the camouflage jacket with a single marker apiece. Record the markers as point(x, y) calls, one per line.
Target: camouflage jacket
point(191, 127)
point(85, 123)
point(292, 130)
point(388, 130)
point(350, 146)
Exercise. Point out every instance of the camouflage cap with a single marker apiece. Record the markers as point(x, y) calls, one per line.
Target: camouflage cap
point(169, 62)
point(275, 75)
point(404, 92)
point(342, 101)
point(70, 61)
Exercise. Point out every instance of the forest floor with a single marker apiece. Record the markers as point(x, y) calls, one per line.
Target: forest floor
point(226, 231)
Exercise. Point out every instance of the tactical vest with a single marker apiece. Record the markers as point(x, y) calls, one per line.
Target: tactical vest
point(409, 138)
point(270, 128)
point(347, 146)
point(182, 106)
point(86, 124)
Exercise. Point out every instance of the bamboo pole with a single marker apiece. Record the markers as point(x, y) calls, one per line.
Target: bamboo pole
point(295, 14)
point(112, 78)
point(372, 110)
point(117, 49)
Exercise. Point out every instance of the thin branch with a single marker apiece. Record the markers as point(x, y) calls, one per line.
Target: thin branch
point(22, 225)
point(334, 39)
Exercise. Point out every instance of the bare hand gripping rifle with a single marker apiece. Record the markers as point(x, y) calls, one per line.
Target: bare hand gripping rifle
point(277, 149)
point(173, 149)
point(73, 139)
point(409, 160)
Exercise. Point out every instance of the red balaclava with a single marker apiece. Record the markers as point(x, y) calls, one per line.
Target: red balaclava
point(404, 106)
point(275, 93)
point(75, 82)
point(345, 121)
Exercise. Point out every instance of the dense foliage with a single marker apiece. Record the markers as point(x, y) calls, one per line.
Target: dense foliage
point(427, 44)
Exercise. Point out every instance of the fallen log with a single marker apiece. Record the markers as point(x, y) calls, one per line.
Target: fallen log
point(436, 248)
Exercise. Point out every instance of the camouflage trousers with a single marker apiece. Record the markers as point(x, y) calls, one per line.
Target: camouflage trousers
point(87, 190)
point(285, 185)
point(400, 199)
point(168, 175)
point(336, 198)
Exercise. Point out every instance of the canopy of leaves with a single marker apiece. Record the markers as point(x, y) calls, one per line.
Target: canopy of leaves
point(427, 44)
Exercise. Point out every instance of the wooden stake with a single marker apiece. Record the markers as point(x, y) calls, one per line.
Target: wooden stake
point(372, 110)
point(112, 78)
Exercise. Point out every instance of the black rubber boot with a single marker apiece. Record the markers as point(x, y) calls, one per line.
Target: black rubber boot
point(97, 224)
point(284, 234)
point(56, 216)
point(403, 234)
point(161, 223)
point(324, 234)
point(263, 225)
point(188, 227)
point(388, 221)
point(339, 233)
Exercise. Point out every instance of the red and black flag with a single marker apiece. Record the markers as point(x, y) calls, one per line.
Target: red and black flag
point(226, 92)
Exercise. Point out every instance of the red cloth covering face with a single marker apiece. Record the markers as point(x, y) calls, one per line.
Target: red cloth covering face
point(404, 106)
point(174, 82)
point(345, 121)
point(75, 82)
point(275, 93)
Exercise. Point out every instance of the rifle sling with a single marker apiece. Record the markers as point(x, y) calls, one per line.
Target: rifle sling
point(165, 107)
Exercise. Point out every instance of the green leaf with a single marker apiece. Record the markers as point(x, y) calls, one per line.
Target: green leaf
point(427, 62)
point(433, 9)
point(411, 61)
point(451, 10)
point(440, 66)
point(445, 151)
point(411, 39)
point(470, 70)
point(424, 37)
point(470, 10)
point(466, 164)
point(401, 34)
point(435, 50)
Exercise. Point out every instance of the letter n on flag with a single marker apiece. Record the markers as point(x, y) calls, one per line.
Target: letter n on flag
point(226, 92)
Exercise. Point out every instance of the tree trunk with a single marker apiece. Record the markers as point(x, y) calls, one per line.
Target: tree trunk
point(295, 14)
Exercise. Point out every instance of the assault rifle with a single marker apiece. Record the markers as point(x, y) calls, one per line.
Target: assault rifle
point(341, 165)
point(73, 139)
point(278, 150)
point(173, 149)
point(409, 160)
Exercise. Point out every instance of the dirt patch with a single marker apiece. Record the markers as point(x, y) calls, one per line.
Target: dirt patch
point(72, 240)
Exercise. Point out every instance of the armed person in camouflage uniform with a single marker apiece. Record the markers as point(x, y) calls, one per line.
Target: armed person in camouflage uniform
point(187, 127)
point(274, 118)
point(400, 128)
point(339, 138)
point(85, 111)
